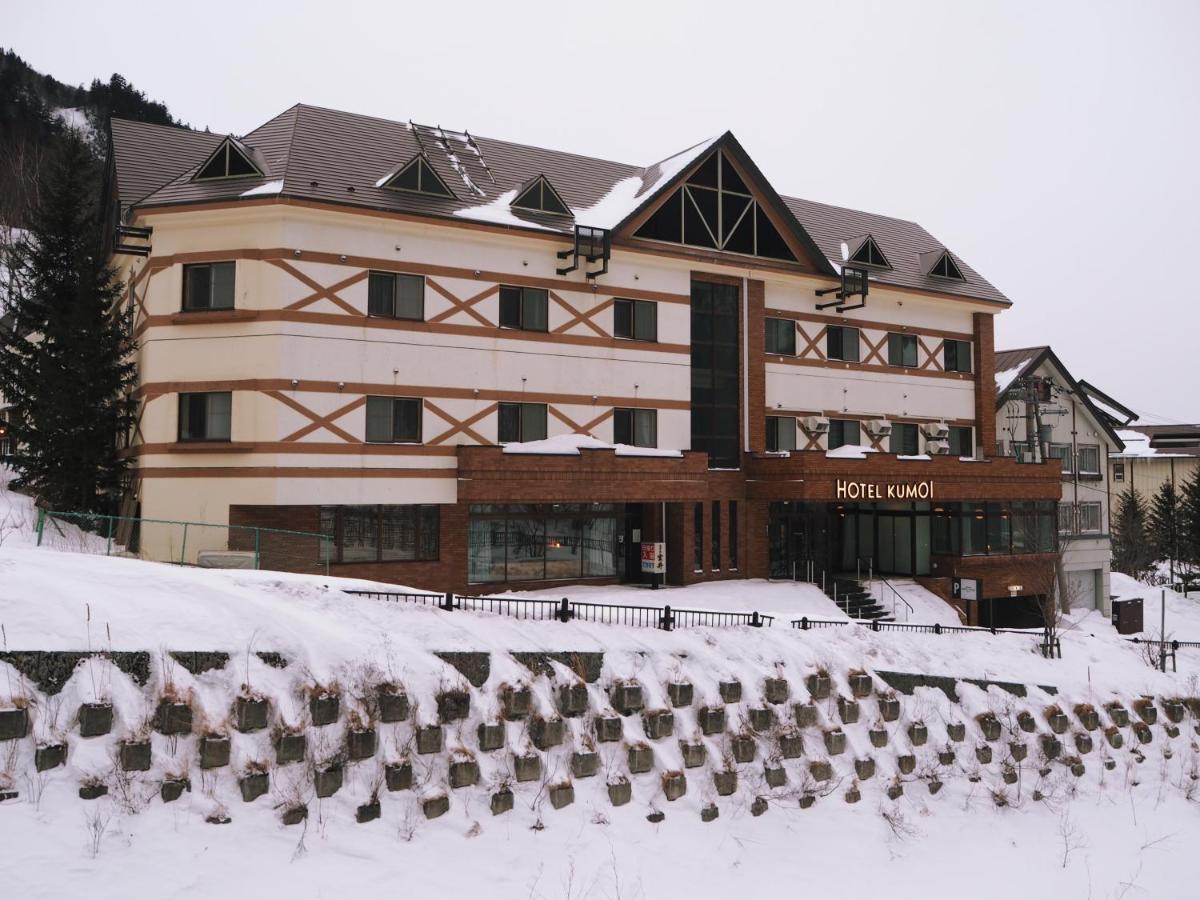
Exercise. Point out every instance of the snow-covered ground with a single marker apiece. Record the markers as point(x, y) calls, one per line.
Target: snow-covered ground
point(1125, 832)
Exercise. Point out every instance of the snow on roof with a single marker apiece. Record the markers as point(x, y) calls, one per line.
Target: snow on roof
point(1137, 445)
point(571, 444)
point(271, 187)
point(1005, 379)
point(629, 193)
point(501, 212)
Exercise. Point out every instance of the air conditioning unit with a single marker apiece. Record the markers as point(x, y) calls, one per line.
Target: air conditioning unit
point(937, 447)
point(937, 431)
point(815, 424)
point(879, 427)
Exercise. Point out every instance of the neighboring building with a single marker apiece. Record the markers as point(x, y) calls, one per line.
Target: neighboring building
point(1033, 386)
point(388, 332)
point(1153, 456)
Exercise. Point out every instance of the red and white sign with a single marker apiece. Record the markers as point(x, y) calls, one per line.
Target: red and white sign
point(654, 558)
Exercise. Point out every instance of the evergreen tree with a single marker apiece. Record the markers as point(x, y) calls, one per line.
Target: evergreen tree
point(66, 362)
point(1131, 536)
point(1189, 521)
point(1164, 525)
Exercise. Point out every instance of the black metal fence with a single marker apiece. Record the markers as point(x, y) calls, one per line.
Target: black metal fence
point(664, 618)
point(1050, 644)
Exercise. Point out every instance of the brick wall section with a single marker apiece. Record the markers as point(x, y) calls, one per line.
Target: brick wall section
point(1034, 572)
point(447, 573)
point(757, 368)
point(985, 383)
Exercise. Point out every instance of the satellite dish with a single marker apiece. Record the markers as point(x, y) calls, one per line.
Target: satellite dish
point(845, 251)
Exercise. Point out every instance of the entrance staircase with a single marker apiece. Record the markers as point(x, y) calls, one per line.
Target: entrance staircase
point(855, 600)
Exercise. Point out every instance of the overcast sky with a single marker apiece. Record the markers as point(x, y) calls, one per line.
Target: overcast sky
point(1053, 145)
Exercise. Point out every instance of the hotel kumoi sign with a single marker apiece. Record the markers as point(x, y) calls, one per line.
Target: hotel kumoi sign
point(869, 490)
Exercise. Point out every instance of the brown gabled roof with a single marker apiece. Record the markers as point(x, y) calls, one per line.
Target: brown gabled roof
point(149, 156)
point(338, 157)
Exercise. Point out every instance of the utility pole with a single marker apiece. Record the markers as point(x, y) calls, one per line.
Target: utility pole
point(1162, 633)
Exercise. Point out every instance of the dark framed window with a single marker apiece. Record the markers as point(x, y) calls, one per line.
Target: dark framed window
point(844, 432)
point(842, 343)
point(227, 162)
point(781, 336)
point(393, 420)
point(1118, 471)
point(698, 537)
point(521, 422)
point(208, 286)
point(1062, 452)
point(635, 319)
point(902, 350)
point(996, 529)
point(957, 356)
point(366, 534)
point(419, 178)
point(205, 417)
point(962, 440)
point(541, 196)
point(396, 296)
point(524, 307)
point(905, 439)
point(544, 542)
point(733, 535)
point(1088, 459)
point(716, 535)
point(781, 433)
point(715, 375)
point(1089, 517)
point(635, 427)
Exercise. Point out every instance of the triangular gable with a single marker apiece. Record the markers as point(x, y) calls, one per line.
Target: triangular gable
point(538, 194)
point(864, 251)
point(940, 263)
point(416, 176)
point(722, 202)
point(231, 159)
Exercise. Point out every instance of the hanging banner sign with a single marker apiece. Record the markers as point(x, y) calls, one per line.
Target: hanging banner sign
point(866, 490)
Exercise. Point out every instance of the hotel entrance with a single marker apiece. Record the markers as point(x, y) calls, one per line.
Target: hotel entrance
point(808, 539)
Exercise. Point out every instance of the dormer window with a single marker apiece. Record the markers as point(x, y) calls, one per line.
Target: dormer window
point(418, 177)
point(229, 161)
point(869, 254)
point(940, 264)
point(542, 197)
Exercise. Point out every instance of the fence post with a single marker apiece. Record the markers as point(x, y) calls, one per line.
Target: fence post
point(804, 623)
point(755, 621)
point(183, 546)
point(448, 602)
point(937, 627)
point(667, 620)
point(564, 610)
point(41, 524)
point(257, 548)
point(874, 624)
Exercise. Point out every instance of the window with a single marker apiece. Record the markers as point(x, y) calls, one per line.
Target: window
point(979, 529)
point(902, 350)
point(698, 537)
point(946, 267)
point(208, 286)
point(842, 343)
point(716, 380)
point(205, 417)
point(733, 535)
point(523, 307)
point(1066, 518)
point(541, 196)
point(1089, 459)
point(635, 319)
point(1118, 471)
point(714, 209)
point(1062, 452)
point(781, 337)
point(869, 254)
point(716, 535)
point(904, 440)
point(522, 422)
point(843, 432)
point(962, 440)
point(393, 420)
point(957, 356)
point(543, 542)
point(227, 162)
point(1089, 518)
point(382, 533)
point(636, 427)
point(419, 178)
point(396, 296)
point(781, 433)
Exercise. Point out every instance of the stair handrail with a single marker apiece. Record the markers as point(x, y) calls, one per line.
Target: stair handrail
point(896, 595)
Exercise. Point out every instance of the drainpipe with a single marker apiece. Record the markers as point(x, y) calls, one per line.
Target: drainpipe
point(746, 363)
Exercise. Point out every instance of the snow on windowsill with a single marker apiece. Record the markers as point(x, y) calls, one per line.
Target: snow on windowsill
point(850, 451)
